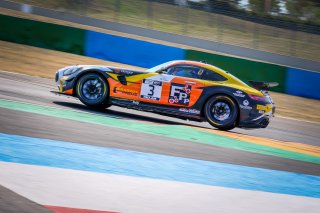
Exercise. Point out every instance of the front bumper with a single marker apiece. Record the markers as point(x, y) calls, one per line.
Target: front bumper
point(64, 83)
point(262, 122)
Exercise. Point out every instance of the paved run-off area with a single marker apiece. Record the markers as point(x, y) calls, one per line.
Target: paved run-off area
point(65, 157)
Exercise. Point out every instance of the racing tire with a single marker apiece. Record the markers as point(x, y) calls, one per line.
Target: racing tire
point(93, 90)
point(221, 112)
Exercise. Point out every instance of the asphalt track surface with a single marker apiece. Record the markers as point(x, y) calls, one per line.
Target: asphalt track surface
point(35, 90)
point(11, 202)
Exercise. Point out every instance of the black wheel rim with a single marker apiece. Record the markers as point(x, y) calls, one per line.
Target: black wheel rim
point(92, 89)
point(221, 111)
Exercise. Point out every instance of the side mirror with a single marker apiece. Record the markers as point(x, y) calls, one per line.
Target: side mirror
point(161, 71)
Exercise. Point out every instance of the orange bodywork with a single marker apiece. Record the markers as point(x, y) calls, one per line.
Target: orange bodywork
point(133, 88)
point(69, 92)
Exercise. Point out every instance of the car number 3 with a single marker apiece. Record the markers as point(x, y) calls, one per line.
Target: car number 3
point(151, 89)
point(151, 92)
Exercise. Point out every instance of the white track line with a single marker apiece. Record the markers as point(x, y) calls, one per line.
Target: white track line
point(96, 191)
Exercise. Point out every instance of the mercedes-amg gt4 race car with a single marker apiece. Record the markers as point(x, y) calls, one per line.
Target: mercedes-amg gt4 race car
point(184, 89)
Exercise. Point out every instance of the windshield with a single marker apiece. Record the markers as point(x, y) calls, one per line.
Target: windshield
point(159, 67)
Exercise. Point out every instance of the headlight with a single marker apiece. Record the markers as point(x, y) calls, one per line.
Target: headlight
point(70, 70)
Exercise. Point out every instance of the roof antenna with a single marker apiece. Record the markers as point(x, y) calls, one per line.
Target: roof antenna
point(203, 61)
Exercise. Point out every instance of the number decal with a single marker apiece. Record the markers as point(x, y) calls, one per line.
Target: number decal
point(151, 89)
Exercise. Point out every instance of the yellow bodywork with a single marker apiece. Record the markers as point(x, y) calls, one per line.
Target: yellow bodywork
point(267, 108)
point(232, 81)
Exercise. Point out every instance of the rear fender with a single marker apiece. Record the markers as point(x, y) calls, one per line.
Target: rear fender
point(208, 92)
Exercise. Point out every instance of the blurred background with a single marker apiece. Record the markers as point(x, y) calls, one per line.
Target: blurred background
point(286, 27)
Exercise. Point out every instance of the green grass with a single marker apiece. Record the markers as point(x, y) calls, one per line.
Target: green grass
point(194, 23)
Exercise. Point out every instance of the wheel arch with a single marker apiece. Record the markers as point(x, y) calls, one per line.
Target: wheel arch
point(95, 71)
point(224, 93)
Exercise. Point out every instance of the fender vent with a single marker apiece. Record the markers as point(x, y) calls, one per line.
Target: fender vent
point(122, 79)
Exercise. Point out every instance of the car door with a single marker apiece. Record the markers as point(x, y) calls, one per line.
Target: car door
point(186, 85)
point(127, 86)
point(154, 89)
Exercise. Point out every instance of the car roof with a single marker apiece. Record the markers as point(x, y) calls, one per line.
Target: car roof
point(189, 63)
point(199, 64)
point(186, 62)
point(231, 78)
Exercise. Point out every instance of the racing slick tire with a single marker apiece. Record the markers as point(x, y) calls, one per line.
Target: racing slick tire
point(93, 91)
point(221, 112)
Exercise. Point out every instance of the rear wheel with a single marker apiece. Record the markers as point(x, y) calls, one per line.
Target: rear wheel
point(93, 90)
point(221, 112)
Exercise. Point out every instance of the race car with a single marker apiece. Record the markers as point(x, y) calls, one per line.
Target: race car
point(184, 89)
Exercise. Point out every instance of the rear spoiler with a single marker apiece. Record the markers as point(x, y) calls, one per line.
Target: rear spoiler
point(262, 85)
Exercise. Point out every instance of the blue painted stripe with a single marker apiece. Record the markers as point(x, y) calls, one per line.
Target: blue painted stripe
point(129, 51)
point(44, 152)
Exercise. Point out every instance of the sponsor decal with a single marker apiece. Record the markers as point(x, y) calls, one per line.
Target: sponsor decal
point(152, 82)
point(135, 102)
point(261, 111)
point(151, 89)
point(245, 107)
point(266, 108)
point(179, 94)
point(261, 107)
point(245, 102)
point(125, 91)
point(193, 111)
point(125, 72)
point(162, 77)
point(238, 93)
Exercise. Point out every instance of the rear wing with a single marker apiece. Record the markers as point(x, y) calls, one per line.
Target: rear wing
point(260, 85)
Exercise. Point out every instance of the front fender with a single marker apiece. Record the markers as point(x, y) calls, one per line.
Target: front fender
point(69, 82)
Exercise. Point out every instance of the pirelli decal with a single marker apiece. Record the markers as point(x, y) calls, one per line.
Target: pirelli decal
point(266, 108)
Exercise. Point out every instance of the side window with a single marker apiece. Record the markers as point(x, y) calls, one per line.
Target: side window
point(212, 76)
point(185, 71)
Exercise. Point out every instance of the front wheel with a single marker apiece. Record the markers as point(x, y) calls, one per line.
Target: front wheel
point(93, 90)
point(221, 112)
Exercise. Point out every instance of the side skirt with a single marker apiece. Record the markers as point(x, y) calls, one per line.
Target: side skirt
point(178, 112)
